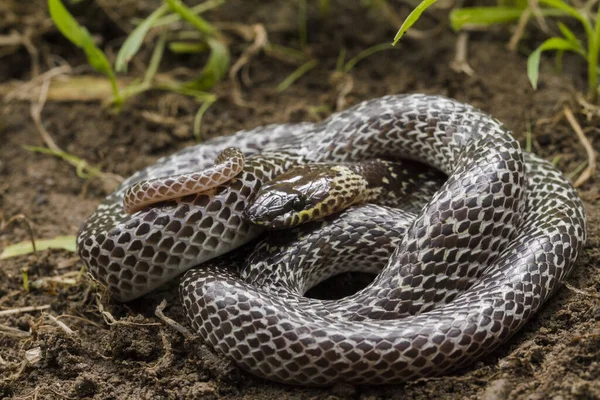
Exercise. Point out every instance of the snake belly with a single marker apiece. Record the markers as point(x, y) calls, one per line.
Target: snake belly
point(473, 265)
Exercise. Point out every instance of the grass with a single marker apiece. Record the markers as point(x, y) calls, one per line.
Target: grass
point(294, 76)
point(27, 247)
point(170, 12)
point(587, 46)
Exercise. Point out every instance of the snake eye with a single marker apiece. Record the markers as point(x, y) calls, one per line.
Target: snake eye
point(298, 203)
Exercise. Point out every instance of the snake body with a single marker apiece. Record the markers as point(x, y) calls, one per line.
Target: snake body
point(458, 277)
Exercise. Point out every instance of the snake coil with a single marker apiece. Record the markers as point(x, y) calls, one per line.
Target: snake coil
point(459, 277)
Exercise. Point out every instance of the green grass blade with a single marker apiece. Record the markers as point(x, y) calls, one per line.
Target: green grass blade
point(188, 47)
point(412, 18)
point(65, 22)
point(81, 38)
point(157, 55)
point(134, 41)
point(366, 53)
point(297, 74)
point(593, 60)
point(569, 35)
point(198, 118)
point(302, 21)
point(61, 242)
point(199, 9)
point(486, 16)
point(533, 62)
point(183, 89)
point(564, 7)
point(84, 170)
point(95, 56)
point(188, 14)
point(215, 69)
point(483, 16)
point(339, 64)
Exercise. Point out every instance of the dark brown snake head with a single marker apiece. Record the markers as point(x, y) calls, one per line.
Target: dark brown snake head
point(305, 193)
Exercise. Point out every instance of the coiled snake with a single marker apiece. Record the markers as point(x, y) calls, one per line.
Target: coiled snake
point(460, 273)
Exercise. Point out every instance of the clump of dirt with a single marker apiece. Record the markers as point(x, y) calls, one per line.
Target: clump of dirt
point(82, 345)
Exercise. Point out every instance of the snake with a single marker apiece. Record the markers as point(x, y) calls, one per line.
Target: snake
point(458, 273)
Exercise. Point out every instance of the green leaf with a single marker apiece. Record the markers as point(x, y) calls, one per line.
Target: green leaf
point(134, 41)
point(188, 47)
point(483, 16)
point(569, 35)
point(157, 55)
point(297, 74)
point(594, 45)
point(412, 18)
point(95, 56)
point(486, 16)
point(302, 20)
point(533, 62)
point(199, 9)
point(84, 170)
point(561, 5)
point(183, 89)
point(366, 53)
point(188, 14)
point(564, 7)
point(198, 118)
point(61, 242)
point(81, 38)
point(65, 22)
point(215, 69)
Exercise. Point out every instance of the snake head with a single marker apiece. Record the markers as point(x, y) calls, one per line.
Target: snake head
point(301, 194)
point(291, 198)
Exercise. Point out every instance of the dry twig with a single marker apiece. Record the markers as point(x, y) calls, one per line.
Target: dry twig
point(260, 41)
point(581, 292)
point(14, 332)
point(518, 34)
point(460, 63)
point(21, 310)
point(61, 325)
point(590, 170)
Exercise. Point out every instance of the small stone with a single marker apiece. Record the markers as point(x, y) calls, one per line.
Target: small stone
point(84, 387)
point(33, 356)
point(498, 390)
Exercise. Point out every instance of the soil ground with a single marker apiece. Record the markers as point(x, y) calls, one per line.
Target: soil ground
point(124, 351)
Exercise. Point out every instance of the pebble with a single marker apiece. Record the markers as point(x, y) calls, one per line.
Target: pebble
point(498, 390)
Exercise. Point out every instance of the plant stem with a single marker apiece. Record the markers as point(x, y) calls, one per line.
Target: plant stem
point(593, 60)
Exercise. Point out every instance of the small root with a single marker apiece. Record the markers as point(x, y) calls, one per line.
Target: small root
point(175, 325)
point(110, 320)
point(167, 359)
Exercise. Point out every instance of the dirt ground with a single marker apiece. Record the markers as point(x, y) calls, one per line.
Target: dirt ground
point(107, 350)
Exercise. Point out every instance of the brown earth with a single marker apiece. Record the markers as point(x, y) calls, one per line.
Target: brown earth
point(136, 355)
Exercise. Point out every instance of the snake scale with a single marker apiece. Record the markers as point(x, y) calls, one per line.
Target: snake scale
point(459, 273)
